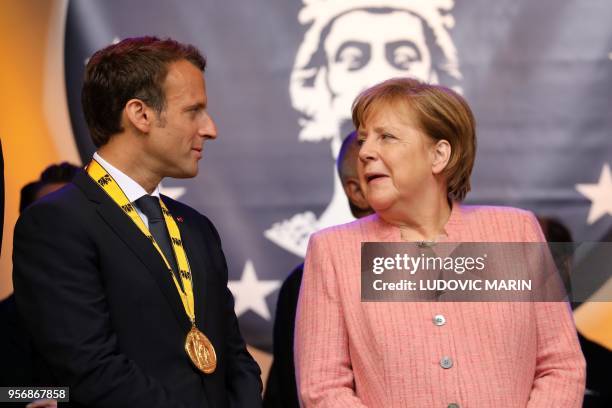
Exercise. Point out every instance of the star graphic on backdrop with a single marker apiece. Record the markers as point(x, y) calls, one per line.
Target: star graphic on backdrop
point(250, 293)
point(600, 195)
point(173, 192)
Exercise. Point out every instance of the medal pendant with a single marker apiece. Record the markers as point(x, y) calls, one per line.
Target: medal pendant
point(201, 351)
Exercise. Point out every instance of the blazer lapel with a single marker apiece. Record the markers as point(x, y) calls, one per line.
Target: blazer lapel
point(140, 245)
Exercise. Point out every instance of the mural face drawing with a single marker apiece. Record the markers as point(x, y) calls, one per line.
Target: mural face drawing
point(348, 47)
point(386, 46)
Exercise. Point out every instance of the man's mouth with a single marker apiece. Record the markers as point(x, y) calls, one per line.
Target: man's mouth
point(198, 151)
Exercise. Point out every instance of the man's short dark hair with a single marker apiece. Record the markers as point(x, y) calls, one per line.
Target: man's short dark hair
point(132, 68)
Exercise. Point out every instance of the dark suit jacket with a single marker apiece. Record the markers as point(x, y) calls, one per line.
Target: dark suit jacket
point(599, 361)
point(15, 350)
point(281, 389)
point(103, 312)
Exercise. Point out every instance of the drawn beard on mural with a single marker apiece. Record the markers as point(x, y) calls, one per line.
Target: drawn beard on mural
point(349, 46)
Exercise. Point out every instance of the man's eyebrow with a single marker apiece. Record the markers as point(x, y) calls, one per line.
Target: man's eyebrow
point(198, 106)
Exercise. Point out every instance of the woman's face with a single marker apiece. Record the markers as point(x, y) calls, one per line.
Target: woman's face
point(395, 159)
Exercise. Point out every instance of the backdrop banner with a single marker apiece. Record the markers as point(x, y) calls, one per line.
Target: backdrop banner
point(281, 77)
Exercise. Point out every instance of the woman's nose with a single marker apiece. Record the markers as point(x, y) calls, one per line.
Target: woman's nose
point(367, 151)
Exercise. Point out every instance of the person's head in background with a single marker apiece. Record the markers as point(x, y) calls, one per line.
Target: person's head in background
point(347, 170)
point(51, 179)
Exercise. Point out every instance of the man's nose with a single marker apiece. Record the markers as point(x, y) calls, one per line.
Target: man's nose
point(208, 128)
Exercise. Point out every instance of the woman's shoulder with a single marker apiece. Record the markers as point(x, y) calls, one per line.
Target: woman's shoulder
point(501, 223)
point(470, 212)
point(357, 229)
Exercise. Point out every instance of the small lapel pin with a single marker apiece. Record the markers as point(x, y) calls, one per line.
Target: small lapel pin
point(179, 219)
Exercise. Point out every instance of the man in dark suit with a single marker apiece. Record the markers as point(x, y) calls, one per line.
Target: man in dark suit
point(123, 290)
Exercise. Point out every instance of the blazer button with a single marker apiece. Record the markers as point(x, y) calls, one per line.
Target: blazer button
point(446, 362)
point(439, 320)
point(453, 405)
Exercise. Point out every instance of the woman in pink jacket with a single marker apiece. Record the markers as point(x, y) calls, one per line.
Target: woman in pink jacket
point(417, 152)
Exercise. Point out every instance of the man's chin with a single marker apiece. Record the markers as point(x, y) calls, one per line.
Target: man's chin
point(184, 173)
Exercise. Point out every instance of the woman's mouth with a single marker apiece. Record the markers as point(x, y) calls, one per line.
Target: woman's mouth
point(374, 176)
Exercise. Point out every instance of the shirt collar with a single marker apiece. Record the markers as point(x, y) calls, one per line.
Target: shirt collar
point(133, 191)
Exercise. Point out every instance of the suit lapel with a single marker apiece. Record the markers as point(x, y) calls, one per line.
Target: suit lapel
point(140, 245)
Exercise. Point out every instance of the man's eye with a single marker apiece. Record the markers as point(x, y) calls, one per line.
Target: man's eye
point(387, 136)
point(194, 111)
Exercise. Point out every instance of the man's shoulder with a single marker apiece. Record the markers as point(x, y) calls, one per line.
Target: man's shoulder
point(179, 209)
point(68, 200)
point(184, 213)
point(62, 213)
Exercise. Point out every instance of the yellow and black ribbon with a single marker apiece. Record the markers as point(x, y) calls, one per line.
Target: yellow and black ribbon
point(110, 186)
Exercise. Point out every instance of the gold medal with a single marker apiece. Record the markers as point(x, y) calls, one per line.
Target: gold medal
point(201, 351)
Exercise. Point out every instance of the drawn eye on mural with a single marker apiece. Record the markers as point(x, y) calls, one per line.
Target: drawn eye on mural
point(353, 55)
point(349, 46)
point(403, 54)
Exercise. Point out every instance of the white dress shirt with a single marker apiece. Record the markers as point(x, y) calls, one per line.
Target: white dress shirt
point(132, 190)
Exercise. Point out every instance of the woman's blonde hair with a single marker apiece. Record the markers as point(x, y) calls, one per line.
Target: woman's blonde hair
point(441, 114)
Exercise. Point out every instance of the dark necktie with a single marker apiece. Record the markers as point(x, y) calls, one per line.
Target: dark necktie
point(149, 205)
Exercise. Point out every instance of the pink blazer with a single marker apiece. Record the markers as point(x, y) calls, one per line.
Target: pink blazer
point(350, 353)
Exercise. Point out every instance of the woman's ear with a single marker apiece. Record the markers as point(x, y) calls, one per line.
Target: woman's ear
point(139, 115)
point(441, 155)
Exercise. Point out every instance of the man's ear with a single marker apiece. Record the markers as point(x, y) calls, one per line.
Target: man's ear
point(353, 191)
point(441, 152)
point(139, 115)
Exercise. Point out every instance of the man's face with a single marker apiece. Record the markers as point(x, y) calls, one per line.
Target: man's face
point(176, 139)
point(364, 48)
